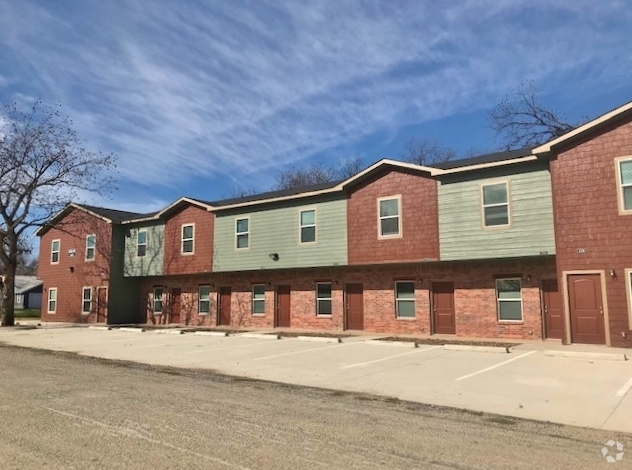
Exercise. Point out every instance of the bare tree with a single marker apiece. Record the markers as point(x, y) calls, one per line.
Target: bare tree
point(296, 177)
point(521, 120)
point(43, 165)
point(427, 151)
point(349, 167)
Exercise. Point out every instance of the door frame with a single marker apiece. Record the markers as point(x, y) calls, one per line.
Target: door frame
point(567, 302)
point(218, 318)
point(543, 314)
point(345, 303)
point(433, 328)
point(106, 304)
point(277, 305)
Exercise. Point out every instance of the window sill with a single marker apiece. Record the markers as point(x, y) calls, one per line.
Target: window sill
point(511, 322)
point(258, 314)
point(324, 315)
point(406, 318)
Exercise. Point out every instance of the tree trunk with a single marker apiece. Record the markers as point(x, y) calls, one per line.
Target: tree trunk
point(8, 297)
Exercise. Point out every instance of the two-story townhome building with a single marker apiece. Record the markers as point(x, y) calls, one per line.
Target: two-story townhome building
point(81, 265)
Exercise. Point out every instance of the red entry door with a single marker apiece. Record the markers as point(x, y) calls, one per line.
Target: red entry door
point(553, 310)
point(586, 309)
point(355, 307)
point(443, 312)
point(224, 306)
point(176, 305)
point(102, 304)
point(283, 306)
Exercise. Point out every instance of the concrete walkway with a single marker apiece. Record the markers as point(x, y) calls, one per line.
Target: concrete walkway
point(577, 385)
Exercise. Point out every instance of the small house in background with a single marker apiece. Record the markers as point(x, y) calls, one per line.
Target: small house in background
point(28, 292)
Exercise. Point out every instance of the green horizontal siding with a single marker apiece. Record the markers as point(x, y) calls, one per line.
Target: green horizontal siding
point(461, 232)
point(275, 229)
point(152, 263)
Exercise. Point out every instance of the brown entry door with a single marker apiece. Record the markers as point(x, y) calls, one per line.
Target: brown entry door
point(224, 306)
point(553, 311)
point(102, 304)
point(443, 314)
point(586, 309)
point(283, 306)
point(176, 305)
point(355, 307)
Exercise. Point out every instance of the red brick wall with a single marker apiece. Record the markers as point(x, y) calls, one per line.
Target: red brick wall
point(587, 217)
point(418, 221)
point(202, 258)
point(475, 298)
point(72, 232)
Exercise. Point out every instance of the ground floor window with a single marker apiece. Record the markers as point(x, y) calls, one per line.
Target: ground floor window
point(258, 299)
point(509, 299)
point(52, 299)
point(405, 299)
point(204, 300)
point(323, 298)
point(86, 297)
point(158, 304)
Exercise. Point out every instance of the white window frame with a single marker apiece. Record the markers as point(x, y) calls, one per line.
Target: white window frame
point(247, 233)
point(621, 186)
point(400, 230)
point(192, 239)
point(53, 251)
point(330, 299)
point(498, 301)
point(162, 301)
point(83, 300)
point(301, 226)
point(485, 206)
point(258, 300)
point(138, 244)
point(398, 300)
point(49, 300)
point(93, 248)
point(201, 299)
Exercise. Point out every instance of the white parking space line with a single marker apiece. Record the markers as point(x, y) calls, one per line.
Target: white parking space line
point(305, 351)
point(487, 369)
point(390, 357)
point(205, 349)
point(625, 389)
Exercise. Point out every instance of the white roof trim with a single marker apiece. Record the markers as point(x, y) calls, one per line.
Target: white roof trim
point(73, 205)
point(544, 148)
point(339, 187)
point(480, 166)
point(158, 215)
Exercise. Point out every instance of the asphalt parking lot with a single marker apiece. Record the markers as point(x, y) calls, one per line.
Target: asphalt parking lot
point(525, 383)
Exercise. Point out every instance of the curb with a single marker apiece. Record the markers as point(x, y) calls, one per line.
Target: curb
point(100, 328)
point(258, 335)
point(166, 332)
point(485, 349)
point(405, 344)
point(131, 330)
point(319, 339)
point(211, 333)
point(587, 355)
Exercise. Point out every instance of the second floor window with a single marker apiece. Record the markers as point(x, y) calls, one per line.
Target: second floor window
point(389, 214)
point(308, 226)
point(91, 242)
point(495, 205)
point(242, 233)
point(54, 251)
point(187, 238)
point(141, 243)
point(625, 173)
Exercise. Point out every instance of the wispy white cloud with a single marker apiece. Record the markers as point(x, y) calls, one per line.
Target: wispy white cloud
point(242, 87)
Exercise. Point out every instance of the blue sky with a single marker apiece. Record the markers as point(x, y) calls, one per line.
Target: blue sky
point(196, 98)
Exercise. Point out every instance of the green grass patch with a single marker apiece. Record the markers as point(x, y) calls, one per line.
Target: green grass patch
point(28, 313)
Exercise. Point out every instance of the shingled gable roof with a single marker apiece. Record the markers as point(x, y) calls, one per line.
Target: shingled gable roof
point(593, 125)
point(489, 158)
point(157, 215)
point(109, 215)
